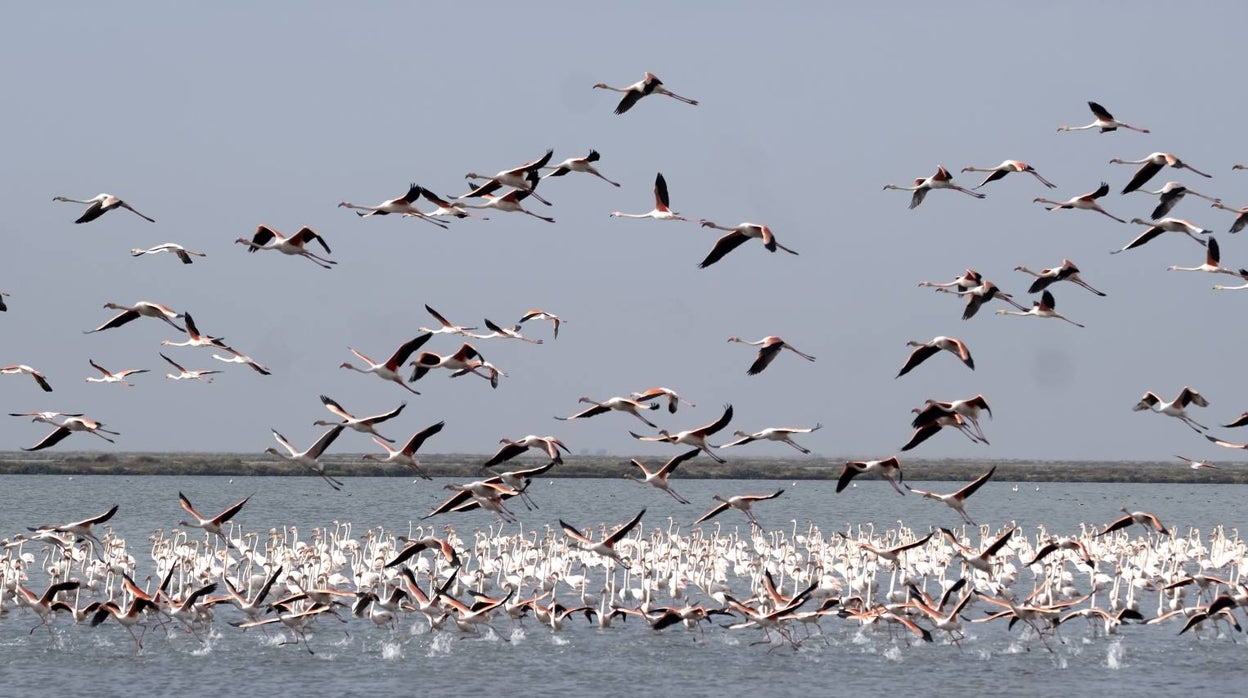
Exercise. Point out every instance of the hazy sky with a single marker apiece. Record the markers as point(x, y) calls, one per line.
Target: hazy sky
point(214, 119)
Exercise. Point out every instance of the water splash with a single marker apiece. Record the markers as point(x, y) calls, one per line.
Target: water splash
point(517, 634)
point(391, 651)
point(1114, 654)
point(441, 645)
point(892, 654)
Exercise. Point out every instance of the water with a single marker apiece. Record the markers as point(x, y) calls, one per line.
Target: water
point(627, 658)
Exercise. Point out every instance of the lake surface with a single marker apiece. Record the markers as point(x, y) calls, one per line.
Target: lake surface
point(627, 658)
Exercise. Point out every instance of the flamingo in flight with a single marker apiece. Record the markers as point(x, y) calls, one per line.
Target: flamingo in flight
point(364, 425)
point(69, 426)
point(524, 177)
point(389, 370)
point(619, 404)
point(659, 478)
point(265, 238)
point(605, 547)
point(1165, 225)
point(548, 444)
point(968, 409)
point(214, 525)
point(1006, 167)
point(1176, 407)
point(110, 377)
point(736, 237)
point(693, 437)
point(649, 85)
point(1241, 217)
point(453, 209)
point(136, 311)
point(1169, 196)
point(309, 458)
point(886, 468)
point(1135, 517)
point(1151, 165)
point(769, 347)
point(194, 338)
point(81, 529)
point(170, 247)
point(925, 432)
point(1087, 202)
point(980, 295)
point(662, 204)
point(407, 454)
point(925, 350)
point(742, 502)
point(537, 314)
point(100, 204)
point(581, 164)
point(15, 369)
point(498, 332)
point(237, 357)
point(444, 325)
point(940, 180)
point(1067, 271)
point(781, 434)
point(957, 500)
point(465, 360)
point(1045, 307)
point(3, 306)
point(186, 374)
point(965, 281)
point(1213, 256)
point(508, 203)
point(1104, 121)
point(673, 398)
point(404, 205)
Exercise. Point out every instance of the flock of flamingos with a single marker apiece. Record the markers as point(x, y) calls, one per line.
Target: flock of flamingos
point(786, 587)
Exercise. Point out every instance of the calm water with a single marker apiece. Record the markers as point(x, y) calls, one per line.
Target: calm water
point(624, 660)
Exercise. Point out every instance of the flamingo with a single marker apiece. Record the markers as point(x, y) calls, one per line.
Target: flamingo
point(925, 432)
point(966, 280)
point(979, 560)
point(364, 425)
point(650, 84)
point(1104, 121)
point(419, 545)
point(1151, 166)
point(659, 478)
point(170, 247)
point(662, 204)
point(311, 457)
point(673, 398)
point(407, 454)
point(941, 180)
point(1170, 194)
point(265, 238)
point(1086, 202)
point(486, 494)
point(742, 502)
point(454, 209)
point(404, 205)
point(537, 314)
point(503, 333)
point(444, 326)
point(1045, 307)
point(3, 306)
point(1046, 277)
point(1195, 464)
point(110, 377)
point(693, 437)
point(606, 546)
point(925, 350)
point(619, 404)
point(194, 338)
point(389, 370)
point(1241, 217)
point(134, 312)
point(42, 604)
point(581, 164)
point(80, 529)
point(237, 357)
point(769, 347)
point(548, 444)
point(508, 203)
point(69, 426)
point(50, 417)
point(1174, 408)
point(885, 468)
point(465, 359)
point(524, 177)
point(184, 374)
point(15, 369)
point(1165, 225)
point(1005, 168)
point(736, 236)
point(957, 500)
point(968, 409)
point(781, 434)
point(1212, 263)
point(215, 524)
point(1135, 517)
point(980, 295)
point(100, 204)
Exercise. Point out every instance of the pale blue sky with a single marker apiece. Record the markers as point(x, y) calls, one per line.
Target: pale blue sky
point(214, 119)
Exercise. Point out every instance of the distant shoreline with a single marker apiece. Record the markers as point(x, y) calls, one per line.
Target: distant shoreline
point(468, 466)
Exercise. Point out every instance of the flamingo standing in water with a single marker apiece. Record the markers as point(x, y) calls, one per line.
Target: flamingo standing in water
point(769, 347)
point(649, 85)
point(1151, 166)
point(265, 238)
point(1104, 121)
point(581, 164)
point(662, 204)
point(1067, 271)
point(100, 204)
point(1005, 168)
point(1087, 202)
point(389, 370)
point(1041, 308)
point(736, 237)
point(940, 180)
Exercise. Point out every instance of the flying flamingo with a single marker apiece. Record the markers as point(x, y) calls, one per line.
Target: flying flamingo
point(193, 336)
point(1005, 168)
point(15, 369)
point(1041, 308)
point(1104, 121)
point(212, 525)
point(549, 444)
point(1174, 408)
point(444, 326)
point(69, 426)
point(581, 164)
point(781, 434)
point(619, 404)
point(1241, 217)
point(742, 502)
point(1135, 517)
point(454, 209)
point(389, 370)
point(311, 457)
point(185, 374)
point(738, 235)
point(605, 547)
point(1151, 166)
point(769, 347)
point(662, 204)
point(968, 409)
point(110, 377)
point(694, 437)
point(100, 204)
point(965, 281)
point(508, 203)
point(134, 312)
point(364, 425)
point(925, 350)
point(405, 205)
point(659, 478)
point(1212, 263)
point(980, 295)
point(957, 500)
point(650, 84)
point(536, 314)
point(170, 247)
point(407, 454)
point(886, 468)
point(941, 180)
point(673, 398)
point(237, 357)
point(465, 359)
point(1165, 225)
point(1067, 271)
point(1170, 195)
point(1086, 202)
point(524, 177)
point(265, 238)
